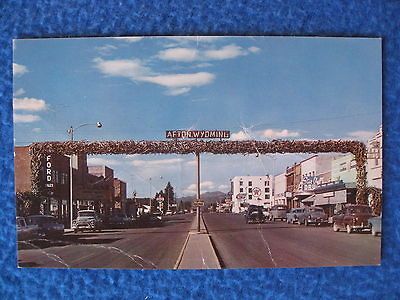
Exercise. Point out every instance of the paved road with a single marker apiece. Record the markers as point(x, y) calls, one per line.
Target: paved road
point(279, 244)
point(136, 248)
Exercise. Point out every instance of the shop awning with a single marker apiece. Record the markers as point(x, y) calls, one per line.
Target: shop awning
point(309, 199)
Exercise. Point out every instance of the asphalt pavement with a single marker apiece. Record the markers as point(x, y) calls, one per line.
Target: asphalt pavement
point(281, 245)
point(134, 248)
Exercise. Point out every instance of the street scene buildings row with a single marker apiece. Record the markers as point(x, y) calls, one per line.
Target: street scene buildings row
point(322, 180)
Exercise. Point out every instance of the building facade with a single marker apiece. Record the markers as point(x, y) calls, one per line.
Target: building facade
point(375, 160)
point(251, 190)
point(280, 189)
point(54, 180)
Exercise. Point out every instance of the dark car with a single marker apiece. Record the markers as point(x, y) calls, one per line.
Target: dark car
point(153, 219)
point(278, 212)
point(48, 226)
point(314, 215)
point(255, 215)
point(353, 217)
point(119, 220)
point(375, 223)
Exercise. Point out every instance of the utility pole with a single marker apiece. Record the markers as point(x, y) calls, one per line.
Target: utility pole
point(198, 190)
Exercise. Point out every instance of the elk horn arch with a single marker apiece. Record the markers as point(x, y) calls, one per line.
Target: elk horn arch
point(38, 150)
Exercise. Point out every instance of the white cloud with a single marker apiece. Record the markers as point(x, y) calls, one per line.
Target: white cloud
point(223, 187)
point(19, 92)
point(254, 49)
point(100, 161)
point(205, 186)
point(130, 68)
point(19, 70)
point(361, 135)
point(128, 39)
point(135, 70)
point(106, 49)
point(29, 104)
point(263, 134)
point(227, 52)
point(156, 163)
point(181, 80)
point(192, 54)
point(37, 129)
point(179, 54)
point(177, 91)
point(277, 134)
point(18, 118)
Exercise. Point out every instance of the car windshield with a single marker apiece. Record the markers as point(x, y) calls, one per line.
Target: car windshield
point(41, 220)
point(360, 210)
point(86, 214)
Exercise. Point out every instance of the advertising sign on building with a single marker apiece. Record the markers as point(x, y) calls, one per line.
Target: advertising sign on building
point(49, 175)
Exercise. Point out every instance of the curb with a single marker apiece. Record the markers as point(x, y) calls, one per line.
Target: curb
point(178, 261)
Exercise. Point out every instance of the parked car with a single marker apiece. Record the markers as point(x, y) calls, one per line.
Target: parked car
point(353, 217)
point(314, 215)
point(48, 226)
point(266, 212)
point(154, 219)
point(25, 231)
point(278, 212)
point(87, 220)
point(255, 215)
point(119, 220)
point(295, 215)
point(375, 223)
point(168, 213)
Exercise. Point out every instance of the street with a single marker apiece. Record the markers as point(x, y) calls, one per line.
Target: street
point(237, 244)
point(282, 245)
point(134, 248)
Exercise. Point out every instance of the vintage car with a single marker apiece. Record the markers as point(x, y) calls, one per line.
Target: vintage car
point(375, 223)
point(278, 212)
point(313, 215)
point(353, 217)
point(48, 226)
point(87, 220)
point(25, 231)
point(294, 215)
point(119, 220)
point(255, 214)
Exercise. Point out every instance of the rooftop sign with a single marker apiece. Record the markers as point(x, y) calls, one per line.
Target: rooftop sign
point(198, 134)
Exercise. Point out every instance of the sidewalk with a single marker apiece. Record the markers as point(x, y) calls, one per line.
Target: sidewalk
point(198, 252)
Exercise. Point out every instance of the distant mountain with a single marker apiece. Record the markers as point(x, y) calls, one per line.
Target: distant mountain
point(207, 197)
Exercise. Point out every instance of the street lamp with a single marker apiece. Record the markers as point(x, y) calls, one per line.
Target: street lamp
point(71, 131)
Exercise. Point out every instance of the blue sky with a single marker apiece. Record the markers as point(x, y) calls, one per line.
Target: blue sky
point(256, 87)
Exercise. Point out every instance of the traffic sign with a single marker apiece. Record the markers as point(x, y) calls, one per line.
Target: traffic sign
point(198, 203)
point(256, 192)
point(241, 196)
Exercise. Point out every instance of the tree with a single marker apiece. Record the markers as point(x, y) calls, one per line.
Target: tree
point(29, 203)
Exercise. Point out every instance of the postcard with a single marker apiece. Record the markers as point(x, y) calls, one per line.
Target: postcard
point(198, 152)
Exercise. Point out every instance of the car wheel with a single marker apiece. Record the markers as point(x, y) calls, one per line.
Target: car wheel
point(75, 230)
point(349, 229)
point(335, 227)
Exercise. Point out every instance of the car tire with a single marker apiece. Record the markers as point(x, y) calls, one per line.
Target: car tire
point(349, 229)
point(335, 227)
point(75, 230)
